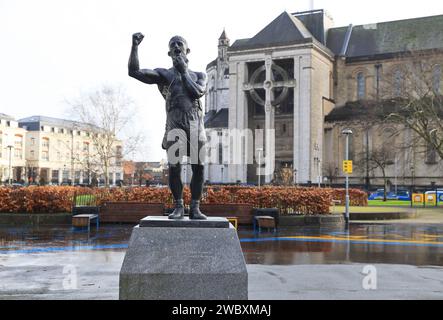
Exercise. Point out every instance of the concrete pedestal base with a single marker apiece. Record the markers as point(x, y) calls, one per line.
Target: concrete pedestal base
point(184, 260)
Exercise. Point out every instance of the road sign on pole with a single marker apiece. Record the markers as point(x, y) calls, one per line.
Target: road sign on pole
point(347, 166)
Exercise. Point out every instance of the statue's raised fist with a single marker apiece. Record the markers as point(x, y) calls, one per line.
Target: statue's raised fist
point(137, 38)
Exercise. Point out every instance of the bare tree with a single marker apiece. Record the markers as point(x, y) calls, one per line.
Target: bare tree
point(377, 158)
point(416, 90)
point(106, 114)
point(140, 173)
point(330, 171)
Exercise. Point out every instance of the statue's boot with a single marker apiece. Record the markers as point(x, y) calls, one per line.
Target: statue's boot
point(179, 211)
point(194, 212)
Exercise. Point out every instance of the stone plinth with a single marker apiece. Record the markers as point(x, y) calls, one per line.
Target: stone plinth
point(184, 260)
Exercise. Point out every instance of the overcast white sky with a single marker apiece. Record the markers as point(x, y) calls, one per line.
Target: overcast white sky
point(52, 49)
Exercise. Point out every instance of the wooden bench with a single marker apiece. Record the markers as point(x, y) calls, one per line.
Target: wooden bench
point(264, 222)
point(84, 220)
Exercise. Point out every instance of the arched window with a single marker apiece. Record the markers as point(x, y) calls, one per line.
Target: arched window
point(436, 79)
point(361, 86)
point(431, 154)
point(1, 143)
point(351, 149)
point(398, 83)
point(389, 144)
point(220, 153)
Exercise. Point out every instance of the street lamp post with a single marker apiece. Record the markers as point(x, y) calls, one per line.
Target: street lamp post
point(10, 164)
point(259, 150)
point(317, 162)
point(347, 133)
point(222, 180)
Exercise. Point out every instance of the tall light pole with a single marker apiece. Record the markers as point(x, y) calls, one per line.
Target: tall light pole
point(10, 164)
point(259, 150)
point(347, 133)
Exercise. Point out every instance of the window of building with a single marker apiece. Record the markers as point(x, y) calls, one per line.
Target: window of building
point(42, 128)
point(351, 150)
point(220, 153)
point(86, 147)
point(398, 83)
point(18, 141)
point(45, 143)
point(431, 154)
point(54, 176)
point(8, 123)
point(18, 154)
point(45, 155)
point(283, 128)
point(52, 129)
point(32, 141)
point(361, 86)
point(32, 153)
point(436, 79)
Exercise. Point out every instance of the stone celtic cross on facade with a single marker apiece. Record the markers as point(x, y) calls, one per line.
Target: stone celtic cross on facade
point(271, 70)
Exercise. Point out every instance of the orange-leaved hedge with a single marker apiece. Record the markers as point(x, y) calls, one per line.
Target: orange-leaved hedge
point(288, 199)
point(357, 198)
point(36, 199)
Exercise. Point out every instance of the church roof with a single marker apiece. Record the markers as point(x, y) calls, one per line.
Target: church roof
point(314, 22)
point(211, 64)
point(284, 30)
point(33, 123)
point(388, 37)
point(370, 110)
point(218, 119)
point(6, 117)
point(223, 36)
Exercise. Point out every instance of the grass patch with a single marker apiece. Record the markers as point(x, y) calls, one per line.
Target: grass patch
point(396, 203)
point(341, 209)
point(85, 200)
point(389, 203)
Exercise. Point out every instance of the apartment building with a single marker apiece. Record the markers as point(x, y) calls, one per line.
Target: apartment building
point(59, 151)
point(12, 149)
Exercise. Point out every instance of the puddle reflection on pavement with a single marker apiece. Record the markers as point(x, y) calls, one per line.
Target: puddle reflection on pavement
point(364, 243)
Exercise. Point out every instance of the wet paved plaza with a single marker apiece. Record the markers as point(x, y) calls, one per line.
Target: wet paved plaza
point(390, 244)
point(294, 263)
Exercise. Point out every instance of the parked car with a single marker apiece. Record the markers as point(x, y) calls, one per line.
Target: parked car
point(401, 195)
point(377, 195)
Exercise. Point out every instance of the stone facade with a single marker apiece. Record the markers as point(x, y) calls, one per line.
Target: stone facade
point(54, 151)
point(327, 69)
point(12, 149)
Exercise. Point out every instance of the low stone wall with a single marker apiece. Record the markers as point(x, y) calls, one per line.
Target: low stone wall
point(24, 219)
point(129, 212)
point(243, 212)
point(366, 216)
point(311, 220)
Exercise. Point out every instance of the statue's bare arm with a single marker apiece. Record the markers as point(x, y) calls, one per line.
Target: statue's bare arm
point(144, 75)
point(197, 89)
